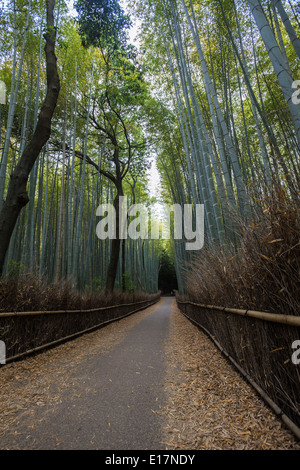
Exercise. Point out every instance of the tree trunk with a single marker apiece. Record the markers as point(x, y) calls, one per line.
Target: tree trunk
point(17, 196)
point(288, 26)
point(115, 244)
point(13, 100)
point(276, 57)
point(232, 151)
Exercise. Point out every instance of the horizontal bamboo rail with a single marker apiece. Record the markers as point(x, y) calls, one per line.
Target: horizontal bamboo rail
point(54, 327)
point(56, 312)
point(81, 332)
point(271, 317)
point(288, 320)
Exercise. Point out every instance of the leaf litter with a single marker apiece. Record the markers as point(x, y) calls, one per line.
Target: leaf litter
point(210, 406)
point(41, 380)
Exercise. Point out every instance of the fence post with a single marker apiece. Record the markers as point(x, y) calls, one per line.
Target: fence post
point(2, 353)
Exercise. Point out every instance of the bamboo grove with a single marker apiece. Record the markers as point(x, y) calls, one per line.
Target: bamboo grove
point(99, 104)
point(229, 73)
point(211, 93)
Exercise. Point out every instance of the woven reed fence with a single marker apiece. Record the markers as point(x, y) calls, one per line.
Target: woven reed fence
point(26, 332)
point(259, 344)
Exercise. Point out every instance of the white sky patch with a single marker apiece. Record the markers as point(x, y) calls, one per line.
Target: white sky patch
point(134, 29)
point(154, 183)
point(72, 10)
point(155, 190)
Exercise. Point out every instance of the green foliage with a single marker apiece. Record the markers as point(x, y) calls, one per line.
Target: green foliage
point(128, 282)
point(135, 116)
point(102, 23)
point(14, 269)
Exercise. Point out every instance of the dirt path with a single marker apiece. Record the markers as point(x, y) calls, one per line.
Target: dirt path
point(101, 391)
point(150, 381)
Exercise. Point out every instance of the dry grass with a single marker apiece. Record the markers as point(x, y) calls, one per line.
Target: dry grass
point(27, 292)
point(264, 273)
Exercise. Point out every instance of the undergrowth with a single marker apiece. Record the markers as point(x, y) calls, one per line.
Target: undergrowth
point(27, 292)
point(263, 273)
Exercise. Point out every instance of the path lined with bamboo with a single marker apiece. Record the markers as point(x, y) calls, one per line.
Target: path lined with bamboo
point(149, 381)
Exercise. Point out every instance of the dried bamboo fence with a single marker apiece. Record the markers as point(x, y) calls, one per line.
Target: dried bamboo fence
point(259, 344)
point(25, 333)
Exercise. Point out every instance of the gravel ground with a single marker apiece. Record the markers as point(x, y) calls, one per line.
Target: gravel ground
point(211, 407)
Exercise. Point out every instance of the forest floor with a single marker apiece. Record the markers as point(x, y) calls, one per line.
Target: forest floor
point(150, 381)
point(210, 406)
